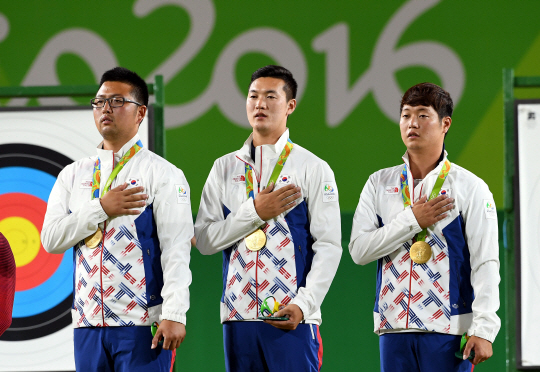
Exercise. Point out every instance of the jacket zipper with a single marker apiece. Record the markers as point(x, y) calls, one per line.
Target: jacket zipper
point(101, 270)
point(101, 259)
point(414, 240)
point(257, 259)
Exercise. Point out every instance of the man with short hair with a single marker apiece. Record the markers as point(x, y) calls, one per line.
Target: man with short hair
point(432, 227)
point(272, 209)
point(131, 231)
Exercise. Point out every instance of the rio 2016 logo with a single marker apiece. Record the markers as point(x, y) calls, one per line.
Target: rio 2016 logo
point(328, 188)
point(341, 96)
point(181, 191)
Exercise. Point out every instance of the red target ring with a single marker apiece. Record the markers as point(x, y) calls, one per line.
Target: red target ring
point(44, 264)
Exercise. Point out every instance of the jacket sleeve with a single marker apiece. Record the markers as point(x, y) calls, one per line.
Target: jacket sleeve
point(62, 228)
point(174, 224)
point(213, 231)
point(325, 228)
point(371, 241)
point(481, 231)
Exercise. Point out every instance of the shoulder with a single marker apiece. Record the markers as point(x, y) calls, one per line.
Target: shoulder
point(303, 156)
point(77, 167)
point(159, 167)
point(385, 175)
point(466, 179)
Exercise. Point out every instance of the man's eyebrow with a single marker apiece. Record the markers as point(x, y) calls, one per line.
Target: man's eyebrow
point(265, 91)
point(111, 95)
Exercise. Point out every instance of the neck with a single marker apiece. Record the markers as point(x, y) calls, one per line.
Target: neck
point(421, 163)
point(114, 146)
point(260, 139)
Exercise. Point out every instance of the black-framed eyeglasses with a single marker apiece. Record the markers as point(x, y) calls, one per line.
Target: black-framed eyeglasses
point(113, 102)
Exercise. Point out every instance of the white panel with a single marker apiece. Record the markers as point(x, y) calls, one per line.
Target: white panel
point(529, 191)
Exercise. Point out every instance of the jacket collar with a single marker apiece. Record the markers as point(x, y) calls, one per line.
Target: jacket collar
point(270, 151)
point(436, 170)
point(117, 155)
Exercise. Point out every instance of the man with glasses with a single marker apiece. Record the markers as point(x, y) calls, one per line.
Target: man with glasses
point(127, 214)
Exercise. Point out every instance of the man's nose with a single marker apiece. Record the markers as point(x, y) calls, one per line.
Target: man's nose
point(261, 103)
point(107, 106)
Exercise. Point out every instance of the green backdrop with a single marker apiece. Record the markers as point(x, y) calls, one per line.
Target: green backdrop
point(353, 60)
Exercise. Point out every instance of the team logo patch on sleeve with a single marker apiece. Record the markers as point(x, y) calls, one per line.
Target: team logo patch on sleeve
point(329, 192)
point(391, 189)
point(182, 194)
point(489, 209)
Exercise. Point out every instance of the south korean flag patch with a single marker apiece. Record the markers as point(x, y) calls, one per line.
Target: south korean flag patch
point(134, 182)
point(284, 180)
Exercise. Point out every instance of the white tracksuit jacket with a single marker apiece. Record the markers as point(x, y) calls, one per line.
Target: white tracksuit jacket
point(303, 249)
point(457, 290)
point(142, 273)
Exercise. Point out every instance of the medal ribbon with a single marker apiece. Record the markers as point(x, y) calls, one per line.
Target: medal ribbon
point(96, 177)
point(406, 195)
point(275, 173)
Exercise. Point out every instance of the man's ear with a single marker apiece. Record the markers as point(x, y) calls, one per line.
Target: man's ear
point(291, 106)
point(446, 123)
point(141, 113)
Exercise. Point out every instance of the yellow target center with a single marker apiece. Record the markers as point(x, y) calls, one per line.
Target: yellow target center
point(23, 237)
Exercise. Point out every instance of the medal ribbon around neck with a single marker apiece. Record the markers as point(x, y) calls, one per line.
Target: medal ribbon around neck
point(96, 178)
point(275, 173)
point(436, 189)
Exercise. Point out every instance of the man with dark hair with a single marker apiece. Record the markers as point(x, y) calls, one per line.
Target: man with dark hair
point(127, 214)
point(139, 89)
point(272, 209)
point(432, 228)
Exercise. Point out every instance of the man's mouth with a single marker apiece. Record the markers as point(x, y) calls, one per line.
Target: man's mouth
point(413, 135)
point(106, 119)
point(260, 115)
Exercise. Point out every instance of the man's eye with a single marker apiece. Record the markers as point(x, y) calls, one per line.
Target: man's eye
point(98, 102)
point(118, 101)
point(271, 97)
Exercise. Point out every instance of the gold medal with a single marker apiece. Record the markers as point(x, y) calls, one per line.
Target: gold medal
point(93, 240)
point(420, 252)
point(256, 240)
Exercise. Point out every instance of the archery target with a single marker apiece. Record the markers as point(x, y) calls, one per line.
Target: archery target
point(35, 145)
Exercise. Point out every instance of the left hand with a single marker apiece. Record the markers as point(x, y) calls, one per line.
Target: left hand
point(295, 317)
point(173, 333)
point(482, 349)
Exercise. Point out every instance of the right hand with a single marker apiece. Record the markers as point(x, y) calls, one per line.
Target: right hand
point(270, 204)
point(121, 202)
point(427, 213)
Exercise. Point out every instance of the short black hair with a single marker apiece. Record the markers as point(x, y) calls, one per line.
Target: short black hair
point(278, 72)
point(123, 75)
point(428, 94)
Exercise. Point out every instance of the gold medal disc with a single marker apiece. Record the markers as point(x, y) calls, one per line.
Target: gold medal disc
point(256, 240)
point(93, 240)
point(420, 252)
